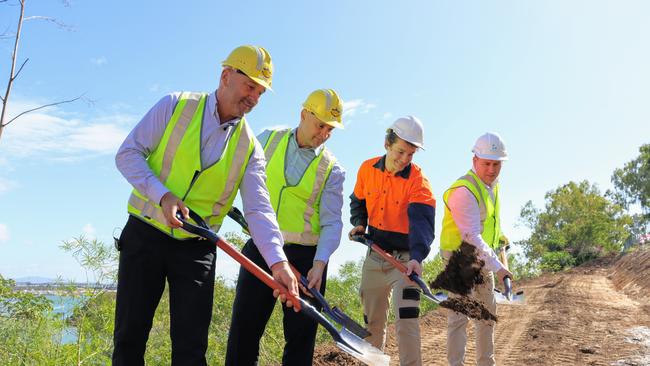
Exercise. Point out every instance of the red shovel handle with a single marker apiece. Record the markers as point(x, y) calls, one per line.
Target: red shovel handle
point(258, 272)
point(397, 264)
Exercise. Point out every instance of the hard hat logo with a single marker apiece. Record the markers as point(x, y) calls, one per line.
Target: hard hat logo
point(326, 105)
point(490, 146)
point(253, 61)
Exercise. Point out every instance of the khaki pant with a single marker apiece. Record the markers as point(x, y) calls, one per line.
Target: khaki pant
point(457, 325)
point(379, 278)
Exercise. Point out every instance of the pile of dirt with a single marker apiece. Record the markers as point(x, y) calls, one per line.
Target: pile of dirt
point(631, 274)
point(462, 273)
point(330, 355)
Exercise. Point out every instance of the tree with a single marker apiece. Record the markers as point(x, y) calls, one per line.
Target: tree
point(576, 225)
point(632, 183)
point(13, 74)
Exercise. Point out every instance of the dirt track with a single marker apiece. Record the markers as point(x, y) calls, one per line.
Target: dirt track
point(597, 314)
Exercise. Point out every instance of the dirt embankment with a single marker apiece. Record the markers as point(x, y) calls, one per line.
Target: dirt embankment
point(595, 314)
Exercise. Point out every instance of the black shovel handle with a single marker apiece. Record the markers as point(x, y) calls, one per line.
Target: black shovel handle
point(203, 230)
point(336, 314)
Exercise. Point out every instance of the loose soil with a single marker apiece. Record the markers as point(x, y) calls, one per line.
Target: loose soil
point(462, 273)
point(595, 314)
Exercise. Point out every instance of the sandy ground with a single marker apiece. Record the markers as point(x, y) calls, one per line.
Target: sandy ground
point(596, 314)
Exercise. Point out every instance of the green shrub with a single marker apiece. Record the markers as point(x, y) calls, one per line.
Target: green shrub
point(556, 261)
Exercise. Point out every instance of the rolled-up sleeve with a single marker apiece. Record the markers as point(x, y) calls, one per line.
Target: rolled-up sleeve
point(262, 223)
point(331, 206)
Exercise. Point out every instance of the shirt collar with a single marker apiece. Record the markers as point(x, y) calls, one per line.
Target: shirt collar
point(212, 110)
point(294, 141)
point(404, 173)
point(482, 182)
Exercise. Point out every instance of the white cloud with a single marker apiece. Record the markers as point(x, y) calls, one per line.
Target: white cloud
point(99, 61)
point(89, 231)
point(356, 106)
point(7, 185)
point(154, 88)
point(387, 115)
point(4, 233)
point(274, 127)
point(46, 134)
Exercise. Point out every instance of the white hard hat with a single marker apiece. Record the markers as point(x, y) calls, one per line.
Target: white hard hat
point(490, 146)
point(409, 129)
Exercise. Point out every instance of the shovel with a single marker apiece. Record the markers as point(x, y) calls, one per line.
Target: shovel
point(507, 297)
point(345, 340)
point(363, 239)
point(502, 298)
point(334, 313)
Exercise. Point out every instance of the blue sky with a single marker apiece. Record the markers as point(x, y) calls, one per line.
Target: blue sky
point(564, 82)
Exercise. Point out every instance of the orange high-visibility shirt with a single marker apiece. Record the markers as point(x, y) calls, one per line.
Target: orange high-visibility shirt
point(388, 195)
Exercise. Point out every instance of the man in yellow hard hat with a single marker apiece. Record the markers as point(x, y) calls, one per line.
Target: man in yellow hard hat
point(191, 150)
point(472, 215)
point(306, 186)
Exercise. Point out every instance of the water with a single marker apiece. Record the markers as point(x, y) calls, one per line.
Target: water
point(64, 305)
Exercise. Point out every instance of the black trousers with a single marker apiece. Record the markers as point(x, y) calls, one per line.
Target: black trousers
point(149, 257)
point(254, 304)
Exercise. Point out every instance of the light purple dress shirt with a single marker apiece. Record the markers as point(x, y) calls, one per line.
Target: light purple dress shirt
point(131, 161)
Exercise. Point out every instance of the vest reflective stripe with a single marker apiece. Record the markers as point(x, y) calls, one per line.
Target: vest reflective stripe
point(189, 110)
point(272, 143)
point(178, 156)
point(297, 207)
point(489, 208)
point(243, 152)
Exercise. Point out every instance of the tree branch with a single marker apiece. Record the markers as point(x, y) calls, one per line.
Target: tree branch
point(41, 107)
point(19, 69)
point(51, 20)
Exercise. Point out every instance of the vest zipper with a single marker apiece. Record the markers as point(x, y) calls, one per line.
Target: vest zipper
point(277, 213)
point(194, 178)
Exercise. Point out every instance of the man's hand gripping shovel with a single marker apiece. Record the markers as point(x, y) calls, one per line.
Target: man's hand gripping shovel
point(363, 239)
point(466, 306)
point(332, 312)
point(508, 297)
point(345, 341)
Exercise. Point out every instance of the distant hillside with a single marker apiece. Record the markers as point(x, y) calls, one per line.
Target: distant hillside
point(34, 279)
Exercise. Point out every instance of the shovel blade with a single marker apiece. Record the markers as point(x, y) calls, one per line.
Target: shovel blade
point(350, 324)
point(363, 351)
point(515, 299)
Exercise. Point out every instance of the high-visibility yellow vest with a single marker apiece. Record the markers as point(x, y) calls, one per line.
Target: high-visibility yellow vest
point(176, 161)
point(296, 207)
point(450, 238)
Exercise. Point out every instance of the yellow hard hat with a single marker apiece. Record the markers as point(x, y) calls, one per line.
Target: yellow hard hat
point(253, 61)
point(326, 105)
